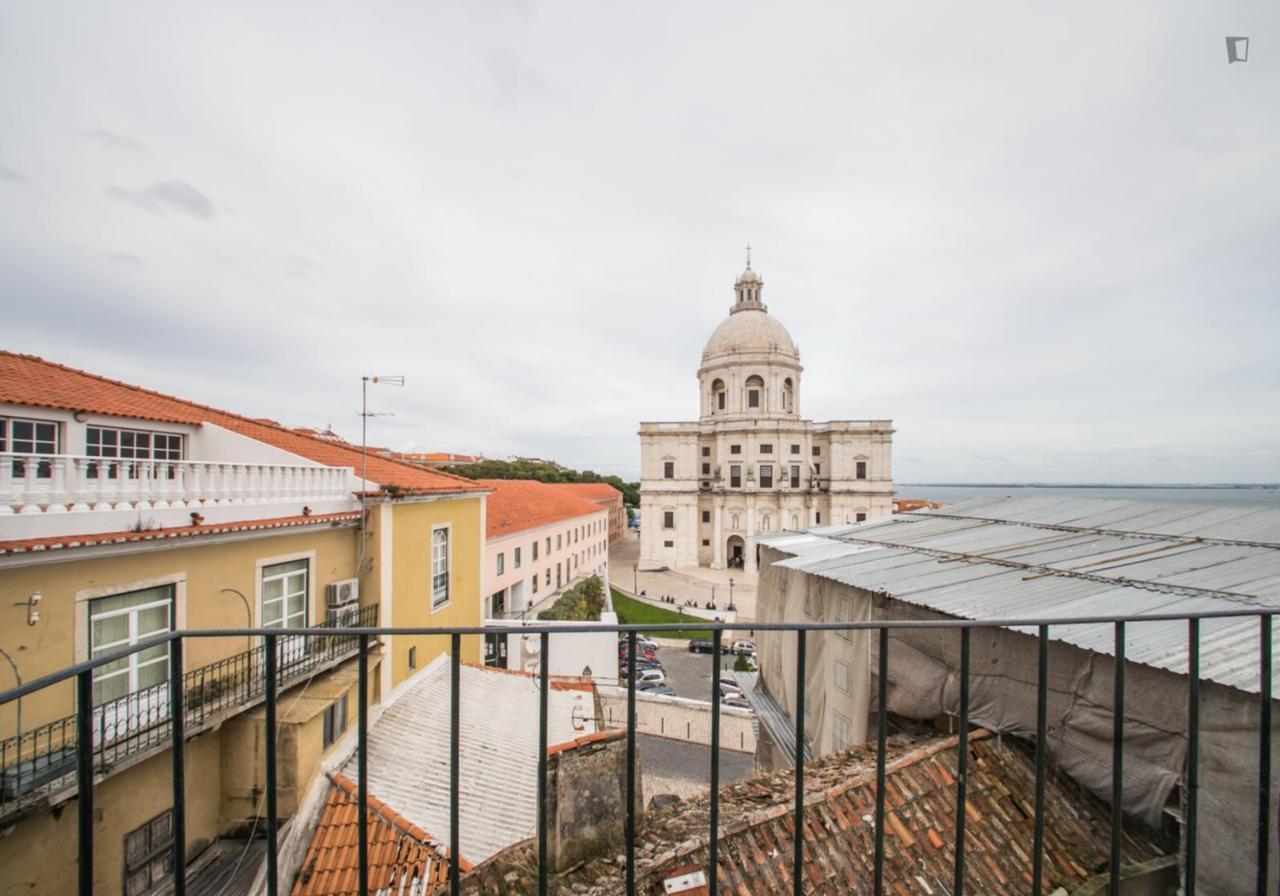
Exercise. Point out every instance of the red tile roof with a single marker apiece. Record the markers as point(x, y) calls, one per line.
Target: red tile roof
point(520, 504)
point(920, 811)
point(400, 852)
point(592, 491)
point(597, 737)
point(35, 382)
point(62, 542)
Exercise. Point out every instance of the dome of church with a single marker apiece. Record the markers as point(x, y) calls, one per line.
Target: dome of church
point(750, 330)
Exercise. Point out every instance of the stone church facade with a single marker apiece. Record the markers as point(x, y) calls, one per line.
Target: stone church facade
point(751, 464)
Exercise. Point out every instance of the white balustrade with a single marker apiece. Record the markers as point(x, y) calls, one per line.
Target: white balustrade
point(43, 484)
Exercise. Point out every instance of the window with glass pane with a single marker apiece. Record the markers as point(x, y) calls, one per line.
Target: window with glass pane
point(130, 444)
point(439, 567)
point(795, 475)
point(502, 558)
point(148, 855)
point(29, 437)
point(284, 594)
point(515, 559)
point(121, 620)
point(766, 476)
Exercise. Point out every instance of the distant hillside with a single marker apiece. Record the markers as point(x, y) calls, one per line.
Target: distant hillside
point(543, 472)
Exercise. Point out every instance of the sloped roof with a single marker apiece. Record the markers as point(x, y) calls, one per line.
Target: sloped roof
point(517, 505)
point(920, 810)
point(403, 858)
point(35, 382)
point(592, 491)
point(63, 542)
point(408, 750)
point(1062, 557)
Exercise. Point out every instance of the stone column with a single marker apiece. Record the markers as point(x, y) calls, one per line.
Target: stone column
point(717, 537)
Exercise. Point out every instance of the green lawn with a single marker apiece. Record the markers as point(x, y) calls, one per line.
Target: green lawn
point(634, 612)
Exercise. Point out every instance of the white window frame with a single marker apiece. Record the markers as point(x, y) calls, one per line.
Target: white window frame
point(447, 529)
point(501, 566)
point(838, 721)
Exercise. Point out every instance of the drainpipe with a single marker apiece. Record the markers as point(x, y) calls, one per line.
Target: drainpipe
point(248, 613)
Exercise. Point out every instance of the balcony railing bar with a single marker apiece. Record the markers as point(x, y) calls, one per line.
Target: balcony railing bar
point(85, 768)
point(362, 768)
point(177, 712)
point(713, 841)
point(631, 763)
point(354, 631)
point(882, 734)
point(962, 761)
point(1042, 760)
point(797, 847)
point(273, 817)
point(455, 807)
point(1264, 756)
point(544, 686)
point(1193, 749)
point(1117, 761)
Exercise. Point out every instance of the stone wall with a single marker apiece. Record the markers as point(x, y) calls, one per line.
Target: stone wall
point(586, 792)
point(680, 718)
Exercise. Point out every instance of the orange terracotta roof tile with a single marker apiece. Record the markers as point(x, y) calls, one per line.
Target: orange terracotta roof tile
point(593, 491)
point(35, 382)
point(597, 737)
point(402, 856)
point(64, 542)
point(517, 505)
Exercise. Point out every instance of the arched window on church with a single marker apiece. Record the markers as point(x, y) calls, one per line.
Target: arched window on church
point(755, 392)
point(717, 395)
point(788, 396)
point(795, 521)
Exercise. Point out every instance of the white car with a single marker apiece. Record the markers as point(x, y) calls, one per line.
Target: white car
point(744, 647)
point(657, 676)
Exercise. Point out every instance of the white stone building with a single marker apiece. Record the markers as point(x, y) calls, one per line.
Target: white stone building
point(751, 464)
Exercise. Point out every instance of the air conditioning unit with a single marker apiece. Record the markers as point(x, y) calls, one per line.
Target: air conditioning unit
point(343, 593)
point(345, 617)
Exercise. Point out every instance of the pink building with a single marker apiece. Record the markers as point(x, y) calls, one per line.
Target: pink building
point(540, 540)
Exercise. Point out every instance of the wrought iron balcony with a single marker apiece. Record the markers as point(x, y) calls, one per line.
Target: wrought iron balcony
point(41, 762)
point(73, 746)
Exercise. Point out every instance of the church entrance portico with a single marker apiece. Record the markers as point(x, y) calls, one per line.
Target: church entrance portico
point(735, 552)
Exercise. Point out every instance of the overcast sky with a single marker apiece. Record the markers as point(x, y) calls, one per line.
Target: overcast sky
point(1043, 238)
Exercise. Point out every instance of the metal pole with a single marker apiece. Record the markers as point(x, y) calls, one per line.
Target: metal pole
point(544, 687)
point(962, 762)
point(1193, 751)
point(1117, 761)
point(631, 763)
point(1042, 753)
point(84, 778)
point(1264, 755)
point(713, 843)
point(797, 846)
point(272, 871)
point(362, 767)
point(177, 731)
point(882, 732)
point(455, 872)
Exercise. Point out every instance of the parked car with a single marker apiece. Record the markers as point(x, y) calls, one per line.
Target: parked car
point(661, 690)
point(648, 642)
point(739, 701)
point(744, 647)
point(728, 685)
point(655, 675)
point(702, 645)
point(641, 651)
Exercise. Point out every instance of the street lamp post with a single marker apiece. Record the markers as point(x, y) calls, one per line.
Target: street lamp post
point(731, 591)
point(635, 582)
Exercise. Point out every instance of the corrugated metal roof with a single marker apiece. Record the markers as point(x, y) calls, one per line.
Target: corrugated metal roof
point(1052, 556)
point(498, 750)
